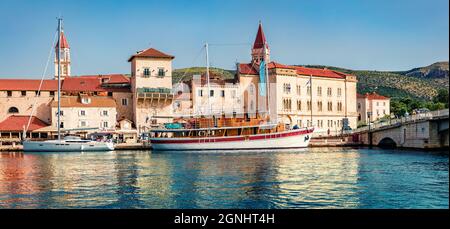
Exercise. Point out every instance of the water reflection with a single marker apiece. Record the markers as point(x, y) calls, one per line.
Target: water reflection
point(311, 178)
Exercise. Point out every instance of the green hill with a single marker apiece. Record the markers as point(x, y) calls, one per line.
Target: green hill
point(185, 74)
point(392, 84)
point(397, 85)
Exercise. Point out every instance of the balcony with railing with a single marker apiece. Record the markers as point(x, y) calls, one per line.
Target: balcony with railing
point(152, 94)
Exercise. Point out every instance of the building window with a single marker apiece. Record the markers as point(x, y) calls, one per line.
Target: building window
point(309, 105)
point(359, 117)
point(299, 105)
point(13, 110)
point(61, 113)
point(124, 102)
point(52, 93)
point(359, 106)
point(24, 93)
point(37, 93)
point(146, 72)
point(200, 93)
point(9, 93)
point(110, 93)
point(105, 124)
point(82, 113)
point(319, 91)
point(105, 113)
point(211, 93)
point(339, 92)
point(161, 72)
point(222, 93)
point(299, 90)
point(82, 123)
point(330, 106)
point(287, 104)
point(378, 104)
point(384, 103)
point(287, 88)
point(329, 92)
point(339, 106)
point(319, 106)
point(308, 90)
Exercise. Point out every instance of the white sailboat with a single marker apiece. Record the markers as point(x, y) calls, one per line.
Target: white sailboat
point(69, 143)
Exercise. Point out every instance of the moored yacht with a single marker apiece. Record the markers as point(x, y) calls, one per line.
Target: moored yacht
point(69, 143)
point(231, 133)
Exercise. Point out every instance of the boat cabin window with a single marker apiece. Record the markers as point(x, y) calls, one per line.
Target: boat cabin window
point(86, 100)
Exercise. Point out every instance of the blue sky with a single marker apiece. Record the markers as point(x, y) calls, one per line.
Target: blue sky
point(381, 35)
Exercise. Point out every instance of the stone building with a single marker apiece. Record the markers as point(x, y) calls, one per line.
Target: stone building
point(372, 106)
point(151, 88)
point(322, 98)
point(84, 112)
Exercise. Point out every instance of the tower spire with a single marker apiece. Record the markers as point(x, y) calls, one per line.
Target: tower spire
point(260, 50)
point(65, 56)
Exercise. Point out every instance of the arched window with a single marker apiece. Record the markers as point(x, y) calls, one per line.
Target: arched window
point(13, 110)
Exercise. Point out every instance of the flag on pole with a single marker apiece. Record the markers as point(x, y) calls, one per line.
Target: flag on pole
point(308, 82)
point(262, 78)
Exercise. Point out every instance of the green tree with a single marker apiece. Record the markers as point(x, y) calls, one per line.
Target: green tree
point(442, 97)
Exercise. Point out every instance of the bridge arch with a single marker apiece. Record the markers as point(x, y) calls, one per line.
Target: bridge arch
point(387, 142)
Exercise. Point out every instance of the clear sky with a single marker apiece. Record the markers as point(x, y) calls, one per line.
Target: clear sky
point(380, 35)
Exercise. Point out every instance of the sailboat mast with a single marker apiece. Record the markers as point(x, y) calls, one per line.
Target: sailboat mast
point(207, 78)
point(266, 70)
point(59, 78)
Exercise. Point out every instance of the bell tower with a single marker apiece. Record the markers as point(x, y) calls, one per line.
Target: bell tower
point(258, 51)
point(65, 57)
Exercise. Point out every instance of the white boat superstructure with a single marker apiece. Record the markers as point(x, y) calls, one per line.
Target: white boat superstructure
point(297, 138)
point(68, 144)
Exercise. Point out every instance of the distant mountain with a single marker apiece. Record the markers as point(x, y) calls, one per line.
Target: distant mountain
point(399, 84)
point(437, 73)
point(436, 70)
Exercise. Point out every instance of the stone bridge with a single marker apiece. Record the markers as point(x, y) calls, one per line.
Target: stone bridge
point(426, 130)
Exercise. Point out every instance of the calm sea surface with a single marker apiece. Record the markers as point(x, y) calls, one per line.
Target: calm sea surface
point(310, 178)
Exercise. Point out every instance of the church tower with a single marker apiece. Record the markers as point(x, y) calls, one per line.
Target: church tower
point(258, 47)
point(65, 58)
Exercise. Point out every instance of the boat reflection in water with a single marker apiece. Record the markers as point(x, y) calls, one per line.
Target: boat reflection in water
point(308, 178)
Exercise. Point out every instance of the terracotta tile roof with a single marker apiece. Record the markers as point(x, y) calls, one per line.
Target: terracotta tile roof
point(17, 122)
point(372, 96)
point(151, 53)
point(75, 101)
point(318, 72)
point(110, 78)
point(75, 84)
point(64, 43)
point(27, 85)
point(94, 83)
point(253, 69)
point(260, 39)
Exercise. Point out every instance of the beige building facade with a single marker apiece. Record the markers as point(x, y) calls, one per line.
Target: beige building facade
point(85, 112)
point(151, 88)
point(372, 106)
